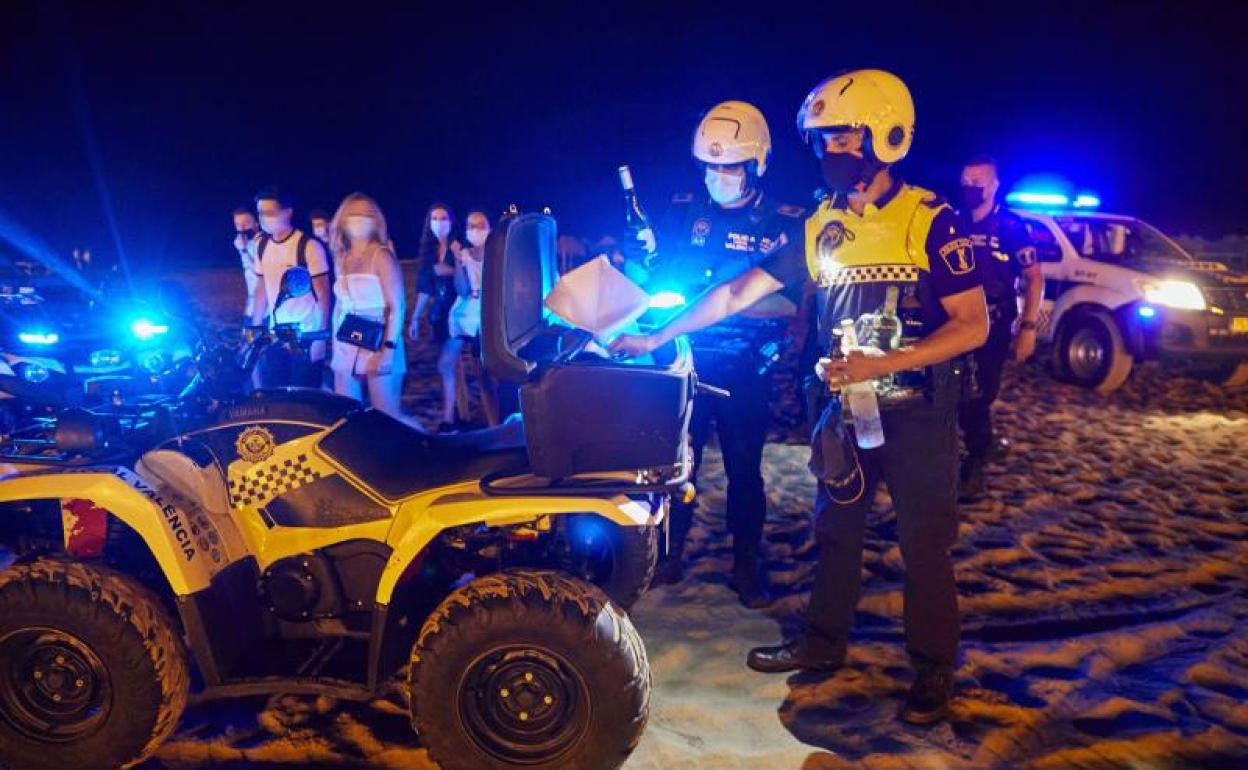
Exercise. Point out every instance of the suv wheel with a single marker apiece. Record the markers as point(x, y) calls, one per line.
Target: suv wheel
point(1090, 352)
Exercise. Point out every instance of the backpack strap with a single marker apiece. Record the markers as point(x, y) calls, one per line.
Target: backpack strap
point(261, 244)
point(302, 251)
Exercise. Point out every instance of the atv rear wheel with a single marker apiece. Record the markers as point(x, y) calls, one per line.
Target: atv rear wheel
point(1090, 352)
point(529, 669)
point(92, 673)
point(618, 559)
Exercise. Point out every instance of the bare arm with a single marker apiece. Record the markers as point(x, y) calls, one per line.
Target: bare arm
point(320, 285)
point(1033, 288)
point(259, 302)
point(391, 277)
point(713, 306)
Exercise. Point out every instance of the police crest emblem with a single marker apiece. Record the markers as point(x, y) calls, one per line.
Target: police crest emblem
point(831, 237)
point(701, 229)
point(255, 444)
point(958, 255)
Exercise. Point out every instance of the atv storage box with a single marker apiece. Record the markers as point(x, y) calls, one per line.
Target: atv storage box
point(582, 413)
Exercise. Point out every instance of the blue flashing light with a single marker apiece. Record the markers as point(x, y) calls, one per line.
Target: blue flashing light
point(1086, 201)
point(1146, 311)
point(1030, 198)
point(667, 299)
point(586, 530)
point(38, 338)
point(146, 329)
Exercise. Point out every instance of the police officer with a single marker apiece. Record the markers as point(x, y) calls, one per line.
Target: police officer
point(1007, 264)
point(708, 239)
point(873, 233)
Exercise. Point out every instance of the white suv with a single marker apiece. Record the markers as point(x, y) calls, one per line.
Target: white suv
point(1117, 291)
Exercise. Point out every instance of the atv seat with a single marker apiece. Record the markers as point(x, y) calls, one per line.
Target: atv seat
point(398, 461)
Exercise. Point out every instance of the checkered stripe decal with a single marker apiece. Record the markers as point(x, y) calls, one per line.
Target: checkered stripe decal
point(843, 275)
point(263, 483)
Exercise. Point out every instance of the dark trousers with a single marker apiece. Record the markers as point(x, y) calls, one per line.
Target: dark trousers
point(288, 366)
point(741, 422)
point(975, 415)
point(919, 463)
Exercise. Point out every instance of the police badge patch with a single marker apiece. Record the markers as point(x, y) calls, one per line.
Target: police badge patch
point(958, 255)
point(833, 235)
point(701, 229)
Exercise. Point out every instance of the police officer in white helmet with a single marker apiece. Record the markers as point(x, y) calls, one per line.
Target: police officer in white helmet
point(875, 241)
point(707, 239)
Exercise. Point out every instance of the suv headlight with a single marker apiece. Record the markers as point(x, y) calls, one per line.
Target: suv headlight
point(1181, 295)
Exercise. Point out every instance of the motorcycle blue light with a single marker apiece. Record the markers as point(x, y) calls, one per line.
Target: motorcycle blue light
point(1030, 198)
point(1086, 201)
point(33, 373)
point(667, 299)
point(103, 358)
point(146, 329)
point(1146, 311)
point(38, 338)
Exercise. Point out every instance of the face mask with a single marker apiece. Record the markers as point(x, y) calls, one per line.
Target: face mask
point(440, 227)
point(321, 232)
point(973, 196)
point(842, 171)
point(242, 238)
point(477, 235)
point(272, 225)
point(360, 228)
point(723, 187)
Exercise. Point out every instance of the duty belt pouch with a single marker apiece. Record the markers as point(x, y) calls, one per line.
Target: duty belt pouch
point(832, 453)
point(361, 332)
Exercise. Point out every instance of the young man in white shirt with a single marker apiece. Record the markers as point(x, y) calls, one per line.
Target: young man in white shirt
point(279, 248)
point(247, 230)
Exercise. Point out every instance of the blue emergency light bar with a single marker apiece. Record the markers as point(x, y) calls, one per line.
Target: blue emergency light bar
point(38, 338)
point(1028, 198)
point(1086, 201)
point(146, 329)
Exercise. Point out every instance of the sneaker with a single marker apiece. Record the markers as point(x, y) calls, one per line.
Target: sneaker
point(928, 699)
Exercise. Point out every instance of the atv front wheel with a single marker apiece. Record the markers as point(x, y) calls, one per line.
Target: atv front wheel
point(529, 669)
point(92, 673)
point(1090, 352)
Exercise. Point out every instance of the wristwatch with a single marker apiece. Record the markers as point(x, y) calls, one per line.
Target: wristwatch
point(1026, 326)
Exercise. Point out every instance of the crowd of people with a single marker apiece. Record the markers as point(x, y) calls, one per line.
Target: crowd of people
point(358, 295)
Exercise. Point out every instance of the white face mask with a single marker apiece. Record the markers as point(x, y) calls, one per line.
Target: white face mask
point(360, 228)
point(477, 235)
point(440, 227)
point(322, 232)
point(273, 224)
point(724, 187)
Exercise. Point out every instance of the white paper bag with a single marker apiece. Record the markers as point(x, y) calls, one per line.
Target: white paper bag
point(597, 298)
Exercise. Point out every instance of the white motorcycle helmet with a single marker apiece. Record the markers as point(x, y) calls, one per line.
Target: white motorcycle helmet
point(731, 133)
point(872, 99)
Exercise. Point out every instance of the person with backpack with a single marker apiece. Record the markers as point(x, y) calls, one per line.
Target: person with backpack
point(280, 247)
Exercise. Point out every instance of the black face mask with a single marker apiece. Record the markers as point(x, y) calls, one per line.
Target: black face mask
point(972, 196)
point(247, 234)
point(842, 172)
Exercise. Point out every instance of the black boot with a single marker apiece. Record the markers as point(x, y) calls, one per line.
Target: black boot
point(790, 656)
point(971, 480)
point(928, 699)
point(749, 579)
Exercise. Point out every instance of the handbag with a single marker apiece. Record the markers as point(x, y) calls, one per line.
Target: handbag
point(361, 332)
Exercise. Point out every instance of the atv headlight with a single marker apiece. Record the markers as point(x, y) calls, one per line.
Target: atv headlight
point(32, 372)
point(101, 359)
point(1181, 295)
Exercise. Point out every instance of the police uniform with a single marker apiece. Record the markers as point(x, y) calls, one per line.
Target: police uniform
point(909, 239)
point(1002, 251)
point(701, 245)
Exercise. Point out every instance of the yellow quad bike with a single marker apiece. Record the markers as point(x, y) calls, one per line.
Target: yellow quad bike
point(292, 541)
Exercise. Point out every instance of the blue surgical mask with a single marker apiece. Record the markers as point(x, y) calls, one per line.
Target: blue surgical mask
point(723, 187)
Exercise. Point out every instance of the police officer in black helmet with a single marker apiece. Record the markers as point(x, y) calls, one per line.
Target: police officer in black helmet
point(707, 239)
point(1008, 267)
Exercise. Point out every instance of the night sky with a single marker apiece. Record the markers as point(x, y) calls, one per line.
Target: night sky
point(171, 114)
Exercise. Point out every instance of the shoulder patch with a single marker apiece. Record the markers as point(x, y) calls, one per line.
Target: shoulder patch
point(682, 198)
point(958, 255)
point(789, 210)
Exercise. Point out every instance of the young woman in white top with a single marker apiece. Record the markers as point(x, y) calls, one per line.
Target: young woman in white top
point(368, 283)
point(465, 316)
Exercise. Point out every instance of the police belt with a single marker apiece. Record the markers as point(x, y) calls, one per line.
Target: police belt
point(942, 385)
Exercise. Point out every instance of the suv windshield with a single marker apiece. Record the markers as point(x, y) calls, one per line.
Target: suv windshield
point(1119, 240)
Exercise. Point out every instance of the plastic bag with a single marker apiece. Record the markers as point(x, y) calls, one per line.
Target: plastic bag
point(597, 298)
